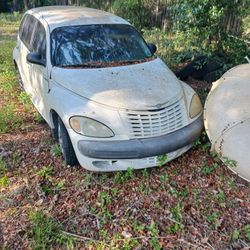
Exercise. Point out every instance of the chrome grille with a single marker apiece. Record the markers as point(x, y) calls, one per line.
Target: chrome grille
point(143, 124)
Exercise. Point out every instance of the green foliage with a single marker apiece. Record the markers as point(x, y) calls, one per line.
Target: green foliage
point(56, 150)
point(246, 232)
point(45, 172)
point(121, 177)
point(46, 233)
point(3, 167)
point(230, 163)
point(24, 98)
point(199, 29)
point(9, 120)
point(154, 232)
point(208, 169)
point(213, 218)
point(4, 181)
point(134, 11)
point(177, 215)
point(162, 159)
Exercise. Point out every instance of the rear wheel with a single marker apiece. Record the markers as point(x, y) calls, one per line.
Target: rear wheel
point(66, 145)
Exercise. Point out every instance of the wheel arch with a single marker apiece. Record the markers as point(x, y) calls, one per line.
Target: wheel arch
point(54, 123)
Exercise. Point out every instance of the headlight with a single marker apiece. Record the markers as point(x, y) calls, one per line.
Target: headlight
point(195, 106)
point(89, 127)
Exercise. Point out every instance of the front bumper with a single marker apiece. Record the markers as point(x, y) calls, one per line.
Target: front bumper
point(142, 148)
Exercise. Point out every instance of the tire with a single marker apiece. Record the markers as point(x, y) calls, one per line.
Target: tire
point(190, 68)
point(213, 76)
point(208, 68)
point(66, 144)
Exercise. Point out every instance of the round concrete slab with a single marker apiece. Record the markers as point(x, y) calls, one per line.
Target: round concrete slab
point(226, 117)
point(233, 146)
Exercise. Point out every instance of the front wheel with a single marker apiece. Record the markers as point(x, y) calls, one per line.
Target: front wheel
point(66, 145)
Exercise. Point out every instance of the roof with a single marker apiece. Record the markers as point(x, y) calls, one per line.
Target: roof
point(57, 16)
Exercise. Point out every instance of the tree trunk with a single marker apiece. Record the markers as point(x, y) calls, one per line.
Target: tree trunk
point(62, 2)
point(26, 4)
point(15, 5)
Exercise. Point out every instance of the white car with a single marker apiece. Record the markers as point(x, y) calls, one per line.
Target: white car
point(111, 103)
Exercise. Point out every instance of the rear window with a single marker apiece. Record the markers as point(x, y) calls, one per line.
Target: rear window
point(26, 30)
point(39, 40)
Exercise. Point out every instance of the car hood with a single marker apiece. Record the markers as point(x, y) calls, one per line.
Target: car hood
point(141, 86)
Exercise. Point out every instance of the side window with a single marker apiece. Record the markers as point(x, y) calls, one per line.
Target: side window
point(21, 27)
point(39, 40)
point(27, 29)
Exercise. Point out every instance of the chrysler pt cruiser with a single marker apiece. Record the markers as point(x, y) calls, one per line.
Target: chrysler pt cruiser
point(108, 99)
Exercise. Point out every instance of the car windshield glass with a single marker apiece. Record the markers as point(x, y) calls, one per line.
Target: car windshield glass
point(98, 45)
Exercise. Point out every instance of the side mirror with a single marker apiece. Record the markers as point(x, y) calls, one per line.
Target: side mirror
point(35, 58)
point(152, 47)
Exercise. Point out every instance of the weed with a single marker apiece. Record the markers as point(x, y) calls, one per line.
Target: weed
point(56, 150)
point(220, 197)
point(236, 234)
point(164, 178)
point(215, 156)
point(105, 198)
point(179, 194)
point(196, 193)
point(87, 179)
point(15, 158)
point(38, 118)
point(46, 233)
point(24, 98)
point(8, 118)
point(45, 172)
point(246, 231)
point(232, 183)
point(129, 174)
point(154, 232)
point(50, 187)
point(177, 212)
point(140, 188)
point(3, 167)
point(202, 142)
point(175, 227)
point(145, 173)
point(137, 227)
point(4, 181)
point(162, 159)
point(208, 169)
point(230, 163)
point(121, 177)
point(213, 218)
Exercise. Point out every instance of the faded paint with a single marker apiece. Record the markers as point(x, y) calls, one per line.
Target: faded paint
point(58, 16)
point(226, 117)
point(141, 86)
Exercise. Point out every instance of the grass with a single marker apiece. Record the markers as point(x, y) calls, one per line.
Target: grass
point(46, 232)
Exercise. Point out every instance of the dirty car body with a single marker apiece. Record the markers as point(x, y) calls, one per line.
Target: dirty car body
point(111, 103)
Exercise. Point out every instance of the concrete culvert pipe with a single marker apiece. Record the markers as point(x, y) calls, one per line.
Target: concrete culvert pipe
point(227, 119)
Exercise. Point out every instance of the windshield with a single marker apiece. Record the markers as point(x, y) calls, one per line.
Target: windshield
point(98, 45)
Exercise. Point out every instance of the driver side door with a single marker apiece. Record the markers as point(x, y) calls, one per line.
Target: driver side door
point(39, 73)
